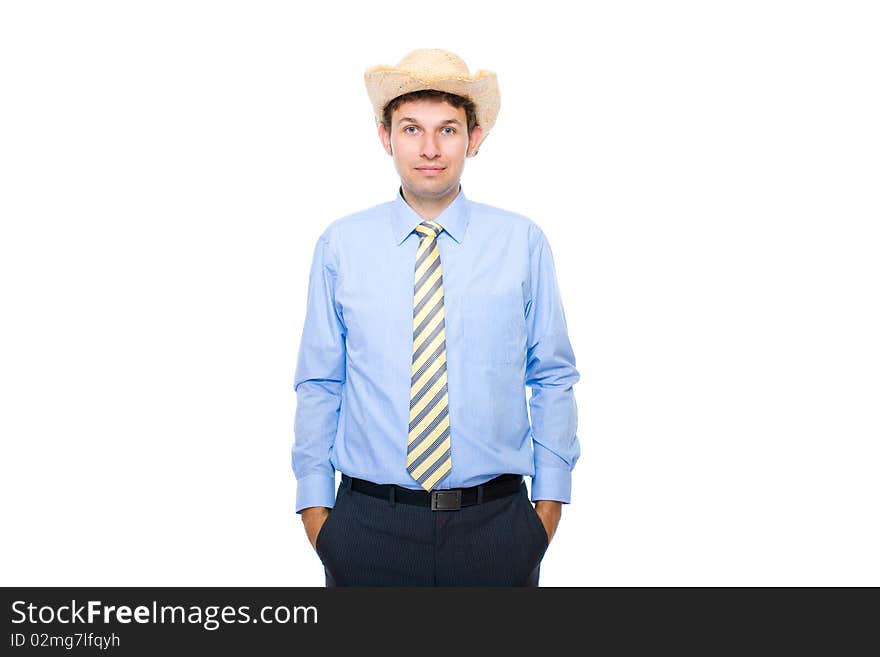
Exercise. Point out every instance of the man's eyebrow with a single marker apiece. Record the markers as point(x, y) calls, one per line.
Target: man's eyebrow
point(409, 119)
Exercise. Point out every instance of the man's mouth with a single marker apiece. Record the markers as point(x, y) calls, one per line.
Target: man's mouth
point(430, 171)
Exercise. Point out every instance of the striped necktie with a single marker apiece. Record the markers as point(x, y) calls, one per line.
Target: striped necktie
point(428, 457)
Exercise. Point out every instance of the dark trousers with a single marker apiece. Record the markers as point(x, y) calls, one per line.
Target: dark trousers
point(367, 541)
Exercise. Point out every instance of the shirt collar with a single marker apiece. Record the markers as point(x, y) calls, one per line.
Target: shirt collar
point(454, 217)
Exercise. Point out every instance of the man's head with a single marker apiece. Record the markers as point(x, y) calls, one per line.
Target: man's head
point(432, 113)
point(429, 134)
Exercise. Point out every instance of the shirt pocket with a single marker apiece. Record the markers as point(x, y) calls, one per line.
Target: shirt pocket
point(494, 327)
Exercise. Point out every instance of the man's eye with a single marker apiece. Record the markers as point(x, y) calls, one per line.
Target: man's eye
point(407, 128)
point(451, 130)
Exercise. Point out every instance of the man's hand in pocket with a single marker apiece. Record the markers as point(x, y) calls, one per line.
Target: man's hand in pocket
point(313, 518)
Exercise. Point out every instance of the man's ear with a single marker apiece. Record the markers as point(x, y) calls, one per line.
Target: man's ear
point(476, 138)
point(385, 138)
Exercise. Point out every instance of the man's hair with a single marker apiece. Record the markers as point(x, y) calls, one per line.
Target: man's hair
point(432, 94)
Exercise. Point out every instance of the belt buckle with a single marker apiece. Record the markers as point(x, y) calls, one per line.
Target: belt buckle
point(445, 500)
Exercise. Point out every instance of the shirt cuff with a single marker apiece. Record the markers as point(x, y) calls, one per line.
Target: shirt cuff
point(552, 484)
point(315, 490)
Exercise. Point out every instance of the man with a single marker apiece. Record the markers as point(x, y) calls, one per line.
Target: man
point(427, 316)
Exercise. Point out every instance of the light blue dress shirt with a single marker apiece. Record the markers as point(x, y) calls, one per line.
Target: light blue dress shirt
point(505, 329)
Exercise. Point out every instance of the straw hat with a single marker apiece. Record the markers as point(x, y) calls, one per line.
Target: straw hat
point(431, 68)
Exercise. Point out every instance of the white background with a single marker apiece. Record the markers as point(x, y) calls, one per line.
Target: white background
point(706, 174)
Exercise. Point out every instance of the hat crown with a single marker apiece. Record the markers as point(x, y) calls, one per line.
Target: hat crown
point(429, 63)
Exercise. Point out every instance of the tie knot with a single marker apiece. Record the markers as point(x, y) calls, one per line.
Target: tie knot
point(429, 228)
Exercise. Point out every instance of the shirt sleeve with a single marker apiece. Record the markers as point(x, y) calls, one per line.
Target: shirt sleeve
point(319, 381)
point(550, 373)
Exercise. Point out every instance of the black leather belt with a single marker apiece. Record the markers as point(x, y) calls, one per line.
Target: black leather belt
point(451, 499)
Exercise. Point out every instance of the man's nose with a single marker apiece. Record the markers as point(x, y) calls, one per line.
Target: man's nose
point(430, 147)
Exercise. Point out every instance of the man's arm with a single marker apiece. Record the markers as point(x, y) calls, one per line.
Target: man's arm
point(319, 381)
point(550, 373)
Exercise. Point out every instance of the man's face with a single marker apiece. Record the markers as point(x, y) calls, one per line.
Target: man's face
point(429, 143)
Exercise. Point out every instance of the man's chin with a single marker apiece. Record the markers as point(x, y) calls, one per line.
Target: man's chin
point(432, 188)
